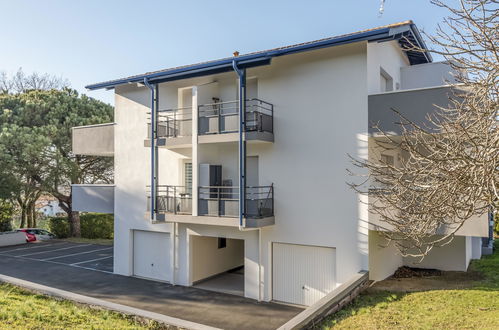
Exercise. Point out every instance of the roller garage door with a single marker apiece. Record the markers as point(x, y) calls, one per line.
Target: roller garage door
point(302, 274)
point(151, 255)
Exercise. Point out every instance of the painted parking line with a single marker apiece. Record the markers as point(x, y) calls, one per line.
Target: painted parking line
point(61, 249)
point(40, 246)
point(75, 254)
point(87, 261)
point(58, 263)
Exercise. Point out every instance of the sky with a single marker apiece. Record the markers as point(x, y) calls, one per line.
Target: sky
point(98, 40)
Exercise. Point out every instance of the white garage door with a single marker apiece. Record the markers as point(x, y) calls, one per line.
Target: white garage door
point(302, 274)
point(151, 255)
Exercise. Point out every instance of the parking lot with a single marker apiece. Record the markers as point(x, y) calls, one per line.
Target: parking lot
point(86, 269)
point(87, 256)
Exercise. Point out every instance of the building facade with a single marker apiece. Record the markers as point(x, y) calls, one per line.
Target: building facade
point(183, 148)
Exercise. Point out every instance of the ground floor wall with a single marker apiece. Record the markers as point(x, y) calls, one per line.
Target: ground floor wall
point(384, 259)
point(194, 255)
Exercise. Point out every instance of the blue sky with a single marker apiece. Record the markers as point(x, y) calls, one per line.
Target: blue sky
point(96, 40)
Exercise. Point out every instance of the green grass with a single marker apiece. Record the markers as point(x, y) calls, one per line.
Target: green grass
point(476, 307)
point(20, 309)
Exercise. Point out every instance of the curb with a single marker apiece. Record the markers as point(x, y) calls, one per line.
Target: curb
point(46, 290)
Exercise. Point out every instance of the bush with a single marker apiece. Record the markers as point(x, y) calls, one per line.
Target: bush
point(6, 214)
point(59, 226)
point(93, 225)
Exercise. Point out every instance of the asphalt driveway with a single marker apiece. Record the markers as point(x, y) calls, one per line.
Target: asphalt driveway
point(86, 269)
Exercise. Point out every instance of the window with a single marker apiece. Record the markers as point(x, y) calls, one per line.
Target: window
point(388, 160)
point(188, 177)
point(222, 242)
point(385, 81)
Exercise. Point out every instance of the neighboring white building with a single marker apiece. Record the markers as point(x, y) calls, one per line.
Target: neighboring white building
point(302, 231)
point(49, 207)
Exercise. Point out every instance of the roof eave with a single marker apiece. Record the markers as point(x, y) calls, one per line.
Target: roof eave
point(261, 58)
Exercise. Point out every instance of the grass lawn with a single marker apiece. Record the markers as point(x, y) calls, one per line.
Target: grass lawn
point(475, 306)
point(20, 309)
point(100, 241)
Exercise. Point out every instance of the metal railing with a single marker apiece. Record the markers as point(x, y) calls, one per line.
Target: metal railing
point(172, 199)
point(173, 123)
point(223, 201)
point(223, 117)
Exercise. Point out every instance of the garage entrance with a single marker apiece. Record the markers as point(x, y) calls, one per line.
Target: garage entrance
point(302, 274)
point(217, 264)
point(151, 255)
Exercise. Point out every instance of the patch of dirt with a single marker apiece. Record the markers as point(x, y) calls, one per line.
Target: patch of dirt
point(407, 272)
point(408, 279)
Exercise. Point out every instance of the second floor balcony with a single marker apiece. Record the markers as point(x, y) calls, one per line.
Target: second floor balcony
point(216, 122)
point(174, 128)
point(220, 121)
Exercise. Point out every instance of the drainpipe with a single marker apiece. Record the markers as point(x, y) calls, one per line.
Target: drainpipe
point(242, 143)
point(154, 154)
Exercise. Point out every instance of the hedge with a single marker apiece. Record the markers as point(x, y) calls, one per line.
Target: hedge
point(93, 225)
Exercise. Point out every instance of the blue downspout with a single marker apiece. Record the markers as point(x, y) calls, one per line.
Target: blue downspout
point(153, 151)
point(242, 143)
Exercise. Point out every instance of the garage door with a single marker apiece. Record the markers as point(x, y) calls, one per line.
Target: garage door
point(151, 255)
point(302, 274)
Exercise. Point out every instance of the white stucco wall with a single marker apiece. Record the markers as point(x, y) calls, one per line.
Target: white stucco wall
point(320, 116)
point(476, 250)
point(386, 55)
point(427, 75)
point(132, 168)
point(320, 109)
point(209, 260)
point(384, 259)
point(454, 256)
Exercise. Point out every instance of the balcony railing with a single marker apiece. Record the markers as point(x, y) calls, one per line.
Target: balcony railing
point(222, 117)
point(173, 123)
point(172, 199)
point(223, 201)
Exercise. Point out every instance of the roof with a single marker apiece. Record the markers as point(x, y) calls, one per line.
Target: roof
point(406, 33)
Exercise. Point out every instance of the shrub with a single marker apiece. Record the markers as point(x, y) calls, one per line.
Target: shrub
point(93, 225)
point(59, 226)
point(6, 213)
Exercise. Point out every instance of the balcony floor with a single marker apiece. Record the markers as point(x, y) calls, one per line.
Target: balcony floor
point(214, 221)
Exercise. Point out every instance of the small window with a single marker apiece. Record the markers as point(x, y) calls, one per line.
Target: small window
point(222, 242)
point(385, 81)
point(388, 160)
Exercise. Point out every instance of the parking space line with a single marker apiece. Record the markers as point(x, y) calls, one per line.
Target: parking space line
point(58, 263)
point(84, 262)
point(36, 247)
point(75, 254)
point(66, 248)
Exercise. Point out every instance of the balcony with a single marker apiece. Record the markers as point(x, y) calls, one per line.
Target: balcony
point(172, 200)
point(217, 205)
point(93, 140)
point(223, 201)
point(414, 104)
point(219, 122)
point(174, 128)
point(93, 198)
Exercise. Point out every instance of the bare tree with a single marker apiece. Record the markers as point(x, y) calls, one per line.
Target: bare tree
point(20, 82)
point(448, 169)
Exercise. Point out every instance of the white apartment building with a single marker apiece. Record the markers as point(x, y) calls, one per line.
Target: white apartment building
point(257, 204)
